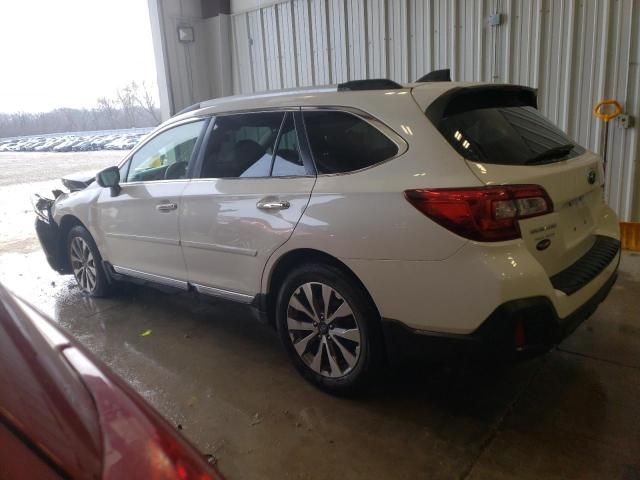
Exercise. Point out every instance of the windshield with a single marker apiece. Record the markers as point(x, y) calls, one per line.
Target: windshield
point(513, 135)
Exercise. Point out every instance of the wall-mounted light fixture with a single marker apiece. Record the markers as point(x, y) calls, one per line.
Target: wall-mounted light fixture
point(185, 34)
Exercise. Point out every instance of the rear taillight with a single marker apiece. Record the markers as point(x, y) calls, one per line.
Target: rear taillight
point(485, 214)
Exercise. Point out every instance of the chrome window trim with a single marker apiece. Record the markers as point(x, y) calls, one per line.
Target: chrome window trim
point(367, 117)
point(375, 122)
point(257, 110)
point(200, 180)
point(177, 180)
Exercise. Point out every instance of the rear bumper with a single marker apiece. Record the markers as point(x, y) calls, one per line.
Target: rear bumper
point(49, 237)
point(516, 328)
point(457, 294)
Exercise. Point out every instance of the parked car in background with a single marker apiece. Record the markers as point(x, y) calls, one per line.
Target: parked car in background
point(97, 143)
point(131, 141)
point(118, 143)
point(31, 143)
point(81, 146)
point(63, 414)
point(85, 144)
point(49, 144)
point(73, 142)
point(22, 144)
point(41, 147)
point(65, 145)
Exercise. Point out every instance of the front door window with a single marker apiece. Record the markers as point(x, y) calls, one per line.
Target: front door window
point(166, 156)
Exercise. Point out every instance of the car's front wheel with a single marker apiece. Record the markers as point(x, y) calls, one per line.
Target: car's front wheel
point(329, 327)
point(86, 263)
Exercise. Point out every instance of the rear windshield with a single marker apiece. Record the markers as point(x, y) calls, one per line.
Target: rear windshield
point(509, 135)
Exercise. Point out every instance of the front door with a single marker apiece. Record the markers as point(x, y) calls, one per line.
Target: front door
point(139, 226)
point(253, 188)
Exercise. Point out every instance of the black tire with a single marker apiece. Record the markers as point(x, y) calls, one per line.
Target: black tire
point(101, 286)
point(364, 316)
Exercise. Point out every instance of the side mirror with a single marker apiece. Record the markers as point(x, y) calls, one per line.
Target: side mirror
point(110, 178)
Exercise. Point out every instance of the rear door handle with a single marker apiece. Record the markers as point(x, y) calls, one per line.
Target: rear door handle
point(166, 207)
point(272, 204)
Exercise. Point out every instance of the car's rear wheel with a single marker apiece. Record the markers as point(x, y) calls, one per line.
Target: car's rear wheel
point(330, 328)
point(86, 263)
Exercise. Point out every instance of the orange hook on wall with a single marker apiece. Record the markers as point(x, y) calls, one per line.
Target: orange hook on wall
point(607, 115)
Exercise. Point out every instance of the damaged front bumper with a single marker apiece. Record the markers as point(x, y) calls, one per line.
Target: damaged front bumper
point(49, 234)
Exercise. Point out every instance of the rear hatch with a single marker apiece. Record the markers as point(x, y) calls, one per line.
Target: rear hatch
point(505, 140)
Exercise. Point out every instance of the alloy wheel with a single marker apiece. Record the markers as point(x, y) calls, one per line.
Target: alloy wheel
point(83, 264)
point(323, 330)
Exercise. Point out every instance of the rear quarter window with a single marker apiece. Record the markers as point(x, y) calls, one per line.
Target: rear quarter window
point(341, 142)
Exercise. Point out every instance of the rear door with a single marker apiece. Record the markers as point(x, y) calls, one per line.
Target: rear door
point(506, 140)
point(255, 183)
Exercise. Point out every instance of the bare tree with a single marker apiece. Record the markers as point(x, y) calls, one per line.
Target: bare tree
point(132, 106)
point(126, 97)
point(108, 108)
point(146, 100)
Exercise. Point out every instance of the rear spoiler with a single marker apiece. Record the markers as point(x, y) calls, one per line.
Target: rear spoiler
point(370, 84)
point(443, 75)
point(463, 99)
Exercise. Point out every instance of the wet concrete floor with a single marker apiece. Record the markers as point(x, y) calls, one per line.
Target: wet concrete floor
point(223, 378)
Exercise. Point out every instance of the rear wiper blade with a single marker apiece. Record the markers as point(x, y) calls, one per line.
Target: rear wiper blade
point(553, 153)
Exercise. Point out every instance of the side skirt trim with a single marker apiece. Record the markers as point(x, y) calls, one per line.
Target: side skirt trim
point(182, 285)
point(171, 282)
point(226, 294)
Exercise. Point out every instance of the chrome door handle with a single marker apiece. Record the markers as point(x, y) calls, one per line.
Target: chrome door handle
point(272, 204)
point(166, 207)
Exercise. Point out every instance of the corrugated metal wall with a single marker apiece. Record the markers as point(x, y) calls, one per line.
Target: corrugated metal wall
point(574, 51)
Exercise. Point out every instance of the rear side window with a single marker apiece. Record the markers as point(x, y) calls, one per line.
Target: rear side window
point(501, 129)
point(341, 142)
point(242, 145)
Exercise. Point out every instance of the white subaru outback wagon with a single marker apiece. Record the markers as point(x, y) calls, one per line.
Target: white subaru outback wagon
point(362, 220)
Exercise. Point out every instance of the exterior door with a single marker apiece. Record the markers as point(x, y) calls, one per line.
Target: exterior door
point(254, 186)
point(140, 225)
